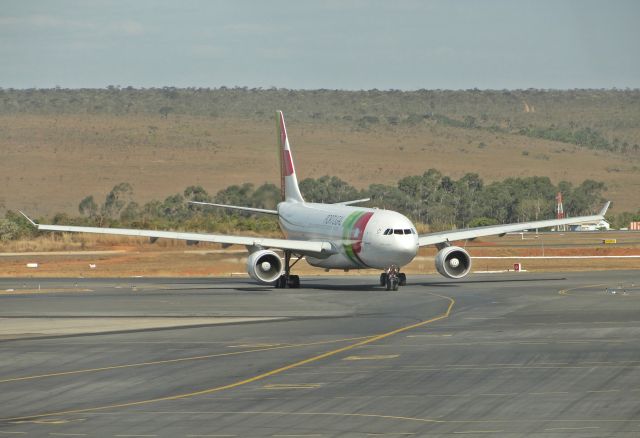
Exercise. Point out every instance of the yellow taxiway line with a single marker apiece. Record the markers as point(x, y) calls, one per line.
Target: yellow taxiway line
point(262, 376)
point(180, 359)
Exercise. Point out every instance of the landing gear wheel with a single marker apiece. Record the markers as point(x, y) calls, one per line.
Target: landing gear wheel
point(286, 280)
point(294, 282)
point(392, 277)
point(403, 279)
point(281, 282)
point(383, 279)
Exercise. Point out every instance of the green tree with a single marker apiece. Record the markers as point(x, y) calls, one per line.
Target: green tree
point(15, 226)
point(116, 200)
point(236, 195)
point(585, 198)
point(266, 196)
point(483, 222)
point(9, 230)
point(196, 193)
point(88, 207)
point(130, 213)
point(174, 208)
point(329, 189)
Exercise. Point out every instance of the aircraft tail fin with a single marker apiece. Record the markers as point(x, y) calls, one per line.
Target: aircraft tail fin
point(288, 181)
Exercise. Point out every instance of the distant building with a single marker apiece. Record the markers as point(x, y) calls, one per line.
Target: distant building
point(593, 226)
point(635, 226)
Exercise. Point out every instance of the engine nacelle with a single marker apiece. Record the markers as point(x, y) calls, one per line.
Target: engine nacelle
point(453, 262)
point(264, 266)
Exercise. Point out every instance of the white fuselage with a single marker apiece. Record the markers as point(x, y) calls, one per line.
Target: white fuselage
point(361, 237)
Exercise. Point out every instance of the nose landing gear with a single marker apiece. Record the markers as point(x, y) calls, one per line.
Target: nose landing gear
point(392, 278)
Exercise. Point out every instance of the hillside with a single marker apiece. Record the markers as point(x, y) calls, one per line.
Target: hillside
point(61, 145)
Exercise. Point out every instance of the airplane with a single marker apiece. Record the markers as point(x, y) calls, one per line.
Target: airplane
point(335, 236)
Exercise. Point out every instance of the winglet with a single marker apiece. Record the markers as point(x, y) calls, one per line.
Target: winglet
point(604, 209)
point(29, 219)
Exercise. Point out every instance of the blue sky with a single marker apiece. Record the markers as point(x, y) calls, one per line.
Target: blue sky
point(342, 44)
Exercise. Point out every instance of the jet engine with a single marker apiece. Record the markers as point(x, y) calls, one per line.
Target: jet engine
point(453, 262)
point(264, 266)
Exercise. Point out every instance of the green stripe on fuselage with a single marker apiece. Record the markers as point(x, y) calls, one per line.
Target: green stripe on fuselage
point(348, 225)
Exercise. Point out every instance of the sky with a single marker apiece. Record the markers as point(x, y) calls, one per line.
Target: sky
point(331, 44)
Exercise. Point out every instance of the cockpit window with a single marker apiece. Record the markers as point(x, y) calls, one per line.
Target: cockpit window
point(390, 231)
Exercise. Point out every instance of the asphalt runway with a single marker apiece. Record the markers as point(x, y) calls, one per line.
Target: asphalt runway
point(525, 354)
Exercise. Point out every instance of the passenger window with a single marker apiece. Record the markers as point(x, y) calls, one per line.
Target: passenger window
point(397, 231)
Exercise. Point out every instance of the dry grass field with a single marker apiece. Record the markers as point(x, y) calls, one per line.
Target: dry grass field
point(49, 163)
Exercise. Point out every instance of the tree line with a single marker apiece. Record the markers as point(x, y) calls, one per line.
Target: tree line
point(432, 200)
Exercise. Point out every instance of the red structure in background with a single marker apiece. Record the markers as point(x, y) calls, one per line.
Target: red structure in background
point(560, 211)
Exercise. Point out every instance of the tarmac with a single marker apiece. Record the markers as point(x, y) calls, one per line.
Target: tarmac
point(513, 355)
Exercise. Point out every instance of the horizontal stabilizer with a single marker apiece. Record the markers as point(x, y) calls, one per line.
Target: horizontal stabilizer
point(235, 207)
point(357, 201)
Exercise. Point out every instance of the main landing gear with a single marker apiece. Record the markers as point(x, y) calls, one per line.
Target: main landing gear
point(286, 280)
point(392, 278)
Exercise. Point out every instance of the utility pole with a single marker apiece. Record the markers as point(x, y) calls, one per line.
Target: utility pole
point(560, 212)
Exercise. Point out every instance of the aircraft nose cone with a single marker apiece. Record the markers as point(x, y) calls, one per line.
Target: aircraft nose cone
point(406, 251)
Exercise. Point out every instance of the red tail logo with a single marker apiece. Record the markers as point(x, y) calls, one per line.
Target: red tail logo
point(287, 164)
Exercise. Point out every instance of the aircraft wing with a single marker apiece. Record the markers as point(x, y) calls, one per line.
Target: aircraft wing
point(492, 230)
point(299, 246)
